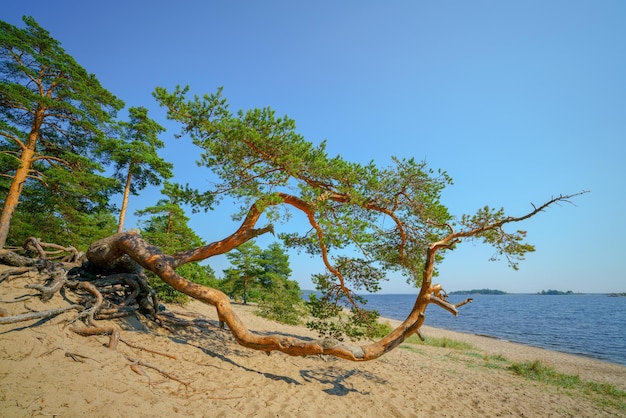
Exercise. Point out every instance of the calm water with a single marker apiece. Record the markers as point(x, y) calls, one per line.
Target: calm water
point(590, 325)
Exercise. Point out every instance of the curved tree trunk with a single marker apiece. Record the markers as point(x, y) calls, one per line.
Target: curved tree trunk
point(105, 252)
point(108, 251)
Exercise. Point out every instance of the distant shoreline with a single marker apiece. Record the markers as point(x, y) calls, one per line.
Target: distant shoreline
point(456, 292)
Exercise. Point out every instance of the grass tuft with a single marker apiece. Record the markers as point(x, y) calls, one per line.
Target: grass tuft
point(603, 394)
point(440, 342)
point(535, 370)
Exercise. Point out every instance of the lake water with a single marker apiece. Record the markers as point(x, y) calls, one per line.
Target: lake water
point(592, 325)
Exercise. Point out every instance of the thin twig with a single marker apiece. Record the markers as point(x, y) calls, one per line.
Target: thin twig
point(148, 350)
point(138, 362)
point(141, 372)
point(19, 299)
point(78, 357)
point(38, 315)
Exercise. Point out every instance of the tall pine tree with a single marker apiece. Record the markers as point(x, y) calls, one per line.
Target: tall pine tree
point(53, 122)
point(135, 157)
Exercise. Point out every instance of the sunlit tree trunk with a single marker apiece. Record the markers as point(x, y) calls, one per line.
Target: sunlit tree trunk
point(129, 177)
point(21, 174)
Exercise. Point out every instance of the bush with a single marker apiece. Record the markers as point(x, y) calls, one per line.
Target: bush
point(282, 308)
point(332, 321)
point(281, 302)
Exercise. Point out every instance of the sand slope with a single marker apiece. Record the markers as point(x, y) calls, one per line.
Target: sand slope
point(46, 370)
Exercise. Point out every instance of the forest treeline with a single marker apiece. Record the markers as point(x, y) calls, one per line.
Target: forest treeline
point(478, 292)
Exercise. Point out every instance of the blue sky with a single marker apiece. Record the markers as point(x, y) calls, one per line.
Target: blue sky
point(518, 101)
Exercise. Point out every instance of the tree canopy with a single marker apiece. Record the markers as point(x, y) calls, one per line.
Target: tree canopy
point(245, 271)
point(54, 118)
point(364, 220)
point(135, 157)
point(387, 214)
point(262, 276)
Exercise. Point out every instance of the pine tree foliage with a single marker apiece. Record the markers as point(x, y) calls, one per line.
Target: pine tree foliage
point(365, 221)
point(135, 158)
point(262, 276)
point(167, 228)
point(54, 118)
point(241, 280)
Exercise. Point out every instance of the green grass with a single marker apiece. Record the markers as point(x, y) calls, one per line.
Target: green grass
point(440, 342)
point(602, 394)
point(537, 371)
point(495, 361)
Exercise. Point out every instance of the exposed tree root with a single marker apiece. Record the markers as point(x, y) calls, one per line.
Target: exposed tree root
point(17, 271)
point(114, 334)
point(63, 254)
point(59, 277)
point(12, 258)
point(99, 297)
point(38, 315)
point(113, 296)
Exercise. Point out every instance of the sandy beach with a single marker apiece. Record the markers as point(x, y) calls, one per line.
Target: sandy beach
point(47, 370)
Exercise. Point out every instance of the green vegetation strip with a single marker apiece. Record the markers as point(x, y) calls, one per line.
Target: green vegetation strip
point(537, 371)
point(440, 342)
point(603, 394)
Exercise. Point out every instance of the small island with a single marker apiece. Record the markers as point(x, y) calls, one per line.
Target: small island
point(616, 295)
point(479, 292)
point(555, 292)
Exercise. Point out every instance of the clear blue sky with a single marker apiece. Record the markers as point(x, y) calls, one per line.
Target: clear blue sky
point(519, 101)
